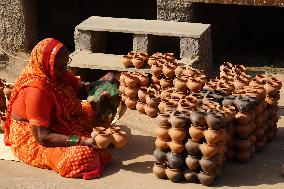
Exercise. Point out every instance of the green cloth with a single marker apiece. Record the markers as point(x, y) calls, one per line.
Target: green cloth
point(107, 105)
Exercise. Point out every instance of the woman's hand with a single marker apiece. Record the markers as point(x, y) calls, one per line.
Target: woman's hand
point(90, 142)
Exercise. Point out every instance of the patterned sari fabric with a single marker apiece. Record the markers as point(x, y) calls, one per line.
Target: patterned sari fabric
point(74, 118)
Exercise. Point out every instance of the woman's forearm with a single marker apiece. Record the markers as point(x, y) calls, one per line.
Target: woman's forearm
point(46, 138)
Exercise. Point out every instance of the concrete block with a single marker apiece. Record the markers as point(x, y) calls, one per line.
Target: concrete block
point(142, 43)
point(199, 49)
point(83, 40)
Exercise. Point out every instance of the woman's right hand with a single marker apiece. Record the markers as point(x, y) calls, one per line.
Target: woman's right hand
point(90, 142)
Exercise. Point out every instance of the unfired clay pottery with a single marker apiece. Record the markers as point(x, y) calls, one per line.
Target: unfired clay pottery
point(192, 147)
point(208, 150)
point(192, 162)
point(126, 61)
point(160, 155)
point(174, 175)
point(206, 179)
point(159, 169)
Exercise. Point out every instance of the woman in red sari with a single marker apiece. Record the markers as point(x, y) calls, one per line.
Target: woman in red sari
point(47, 126)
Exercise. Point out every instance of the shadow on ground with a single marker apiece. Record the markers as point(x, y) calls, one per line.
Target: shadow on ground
point(263, 169)
point(137, 146)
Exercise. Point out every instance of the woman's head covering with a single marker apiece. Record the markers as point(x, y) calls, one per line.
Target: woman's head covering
point(40, 73)
point(43, 59)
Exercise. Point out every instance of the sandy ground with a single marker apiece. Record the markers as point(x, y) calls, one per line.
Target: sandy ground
point(132, 165)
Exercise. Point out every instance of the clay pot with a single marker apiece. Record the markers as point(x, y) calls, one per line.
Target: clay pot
point(162, 132)
point(208, 150)
point(192, 162)
point(180, 84)
point(122, 89)
point(196, 133)
point(208, 165)
point(151, 61)
point(151, 111)
point(160, 155)
point(243, 131)
point(177, 119)
point(166, 83)
point(103, 139)
point(179, 70)
point(156, 69)
point(206, 179)
point(161, 144)
point(131, 92)
point(212, 136)
point(176, 147)
point(126, 61)
point(168, 70)
point(243, 157)
point(175, 160)
point(177, 134)
point(174, 175)
point(142, 94)
point(197, 117)
point(192, 147)
point(159, 169)
point(152, 100)
point(130, 103)
point(189, 71)
point(155, 80)
point(243, 145)
point(120, 139)
point(138, 62)
point(131, 81)
point(271, 88)
point(194, 85)
point(169, 57)
point(143, 79)
point(140, 106)
point(243, 118)
point(190, 176)
point(214, 120)
point(163, 119)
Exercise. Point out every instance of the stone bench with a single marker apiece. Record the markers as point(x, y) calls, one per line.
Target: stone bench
point(195, 40)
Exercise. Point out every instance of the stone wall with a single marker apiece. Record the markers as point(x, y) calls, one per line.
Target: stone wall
point(18, 24)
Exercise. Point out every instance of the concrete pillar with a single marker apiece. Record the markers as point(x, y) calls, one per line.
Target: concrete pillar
point(83, 40)
point(142, 43)
point(18, 24)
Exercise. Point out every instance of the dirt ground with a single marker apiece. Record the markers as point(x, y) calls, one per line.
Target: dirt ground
point(132, 165)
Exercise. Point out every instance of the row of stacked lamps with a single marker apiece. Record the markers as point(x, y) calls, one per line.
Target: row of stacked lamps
point(202, 124)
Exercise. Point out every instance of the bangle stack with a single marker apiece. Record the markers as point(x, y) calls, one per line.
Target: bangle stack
point(73, 140)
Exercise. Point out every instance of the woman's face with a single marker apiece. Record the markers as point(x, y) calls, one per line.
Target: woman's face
point(61, 61)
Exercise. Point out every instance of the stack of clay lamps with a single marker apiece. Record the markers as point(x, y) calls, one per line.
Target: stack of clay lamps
point(170, 145)
point(207, 145)
point(135, 59)
point(272, 87)
point(112, 135)
point(130, 83)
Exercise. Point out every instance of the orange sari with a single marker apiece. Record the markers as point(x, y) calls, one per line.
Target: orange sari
point(73, 118)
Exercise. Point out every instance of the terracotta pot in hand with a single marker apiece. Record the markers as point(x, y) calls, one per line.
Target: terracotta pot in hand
point(102, 139)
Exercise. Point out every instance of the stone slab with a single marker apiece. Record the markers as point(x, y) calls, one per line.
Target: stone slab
point(101, 61)
point(141, 26)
